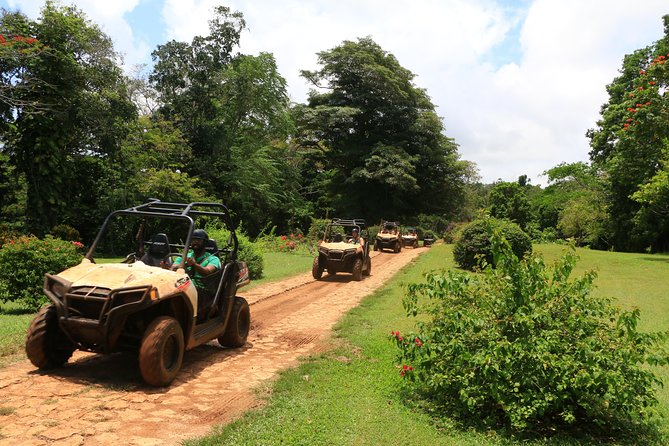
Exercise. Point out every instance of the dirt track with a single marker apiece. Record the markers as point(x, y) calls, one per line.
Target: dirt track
point(100, 400)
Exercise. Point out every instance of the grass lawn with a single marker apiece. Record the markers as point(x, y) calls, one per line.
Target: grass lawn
point(279, 265)
point(350, 395)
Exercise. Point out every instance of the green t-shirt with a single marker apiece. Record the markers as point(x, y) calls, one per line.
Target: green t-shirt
point(204, 260)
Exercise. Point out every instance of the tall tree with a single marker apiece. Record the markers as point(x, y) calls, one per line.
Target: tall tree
point(382, 146)
point(628, 144)
point(233, 110)
point(63, 100)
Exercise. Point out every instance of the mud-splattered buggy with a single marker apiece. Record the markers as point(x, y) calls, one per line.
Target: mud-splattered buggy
point(428, 239)
point(410, 237)
point(339, 251)
point(141, 304)
point(388, 237)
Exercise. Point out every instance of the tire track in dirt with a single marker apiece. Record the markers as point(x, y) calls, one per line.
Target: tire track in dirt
point(101, 400)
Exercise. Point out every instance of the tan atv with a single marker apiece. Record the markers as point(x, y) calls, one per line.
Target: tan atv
point(410, 237)
point(388, 237)
point(144, 304)
point(344, 248)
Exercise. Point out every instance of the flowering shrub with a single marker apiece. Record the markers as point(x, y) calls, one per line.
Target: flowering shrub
point(25, 260)
point(526, 347)
point(282, 243)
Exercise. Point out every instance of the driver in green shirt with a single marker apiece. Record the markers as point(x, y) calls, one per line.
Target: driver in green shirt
point(200, 264)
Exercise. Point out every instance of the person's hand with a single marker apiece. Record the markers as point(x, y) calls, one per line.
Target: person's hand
point(190, 261)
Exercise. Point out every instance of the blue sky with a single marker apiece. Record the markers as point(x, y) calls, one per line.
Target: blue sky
point(517, 82)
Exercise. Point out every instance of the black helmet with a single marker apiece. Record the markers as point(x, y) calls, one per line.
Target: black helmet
point(354, 230)
point(200, 233)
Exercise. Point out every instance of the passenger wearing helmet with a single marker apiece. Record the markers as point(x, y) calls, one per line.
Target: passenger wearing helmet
point(355, 237)
point(199, 264)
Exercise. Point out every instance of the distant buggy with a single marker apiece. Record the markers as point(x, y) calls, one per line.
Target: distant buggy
point(339, 252)
point(388, 237)
point(141, 304)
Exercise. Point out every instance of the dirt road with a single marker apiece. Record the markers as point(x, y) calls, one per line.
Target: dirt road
point(100, 400)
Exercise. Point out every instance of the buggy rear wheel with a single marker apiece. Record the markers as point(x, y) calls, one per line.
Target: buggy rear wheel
point(47, 346)
point(239, 324)
point(367, 271)
point(161, 352)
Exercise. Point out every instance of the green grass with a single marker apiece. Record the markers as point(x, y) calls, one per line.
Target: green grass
point(351, 395)
point(14, 322)
point(279, 265)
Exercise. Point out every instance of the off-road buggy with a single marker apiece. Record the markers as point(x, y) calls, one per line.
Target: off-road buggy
point(428, 239)
point(140, 304)
point(388, 237)
point(338, 251)
point(410, 237)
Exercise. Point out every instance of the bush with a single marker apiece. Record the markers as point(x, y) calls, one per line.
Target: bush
point(474, 245)
point(25, 260)
point(248, 251)
point(65, 232)
point(526, 347)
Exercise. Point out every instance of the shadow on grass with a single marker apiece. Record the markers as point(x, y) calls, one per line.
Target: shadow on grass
point(15, 310)
point(616, 432)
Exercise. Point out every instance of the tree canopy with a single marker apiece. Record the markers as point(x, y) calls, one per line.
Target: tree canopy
point(377, 143)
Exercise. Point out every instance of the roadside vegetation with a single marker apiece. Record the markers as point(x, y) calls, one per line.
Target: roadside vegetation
point(355, 394)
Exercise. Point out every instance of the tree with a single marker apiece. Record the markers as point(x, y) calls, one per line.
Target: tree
point(379, 143)
point(575, 203)
point(233, 111)
point(509, 200)
point(63, 102)
point(629, 145)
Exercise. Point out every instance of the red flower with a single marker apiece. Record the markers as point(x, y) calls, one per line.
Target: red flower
point(402, 373)
point(418, 342)
point(631, 95)
point(2, 40)
point(640, 88)
point(642, 72)
point(652, 82)
point(405, 367)
point(299, 235)
point(648, 103)
point(639, 105)
point(626, 125)
point(283, 237)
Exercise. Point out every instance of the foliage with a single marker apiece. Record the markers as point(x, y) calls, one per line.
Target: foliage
point(374, 139)
point(64, 102)
point(65, 232)
point(583, 220)
point(629, 145)
point(248, 251)
point(527, 347)
point(24, 261)
point(232, 110)
point(509, 201)
point(475, 244)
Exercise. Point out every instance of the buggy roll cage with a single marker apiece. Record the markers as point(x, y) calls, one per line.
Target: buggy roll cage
point(174, 211)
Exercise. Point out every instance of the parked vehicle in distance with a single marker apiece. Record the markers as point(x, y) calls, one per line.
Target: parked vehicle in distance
point(343, 248)
point(410, 237)
point(144, 304)
point(388, 237)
